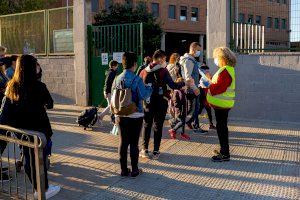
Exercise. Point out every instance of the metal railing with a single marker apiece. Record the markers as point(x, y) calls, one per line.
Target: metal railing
point(17, 141)
point(43, 32)
point(248, 38)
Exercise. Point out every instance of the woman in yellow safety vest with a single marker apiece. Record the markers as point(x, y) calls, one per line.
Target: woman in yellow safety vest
point(221, 95)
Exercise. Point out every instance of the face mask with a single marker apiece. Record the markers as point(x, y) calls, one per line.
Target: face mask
point(216, 61)
point(198, 54)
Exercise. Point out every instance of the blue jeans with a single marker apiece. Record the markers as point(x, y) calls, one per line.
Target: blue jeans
point(195, 112)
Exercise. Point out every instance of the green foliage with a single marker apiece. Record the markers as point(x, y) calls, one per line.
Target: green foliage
point(18, 6)
point(125, 13)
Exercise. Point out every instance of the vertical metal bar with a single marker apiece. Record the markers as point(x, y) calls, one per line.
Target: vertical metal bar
point(142, 39)
point(48, 33)
point(263, 38)
point(126, 38)
point(31, 169)
point(25, 180)
point(16, 174)
point(259, 38)
point(119, 38)
point(8, 161)
point(245, 37)
point(134, 38)
point(248, 33)
point(39, 168)
point(256, 29)
point(105, 38)
point(241, 37)
point(252, 38)
point(237, 36)
point(115, 38)
point(1, 173)
point(233, 34)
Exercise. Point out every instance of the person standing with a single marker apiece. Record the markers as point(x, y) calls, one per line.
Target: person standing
point(110, 77)
point(221, 96)
point(147, 61)
point(130, 126)
point(9, 72)
point(24, 106)
point(190, 71)
point(174, 66)
point(155, 109)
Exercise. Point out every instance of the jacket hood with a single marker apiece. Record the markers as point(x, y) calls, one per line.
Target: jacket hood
point(152, 67)
point(185, 57)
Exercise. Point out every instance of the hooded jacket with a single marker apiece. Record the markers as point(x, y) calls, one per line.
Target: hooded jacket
point(163, 77)
point(189, 69)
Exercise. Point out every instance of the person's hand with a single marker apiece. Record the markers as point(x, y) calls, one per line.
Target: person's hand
point(196, 92)
point(204, 83)
point(208, 75)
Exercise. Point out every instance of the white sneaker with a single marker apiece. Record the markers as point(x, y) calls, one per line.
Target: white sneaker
point(51, 192)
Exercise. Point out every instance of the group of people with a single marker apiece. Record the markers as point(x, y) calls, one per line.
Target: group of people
point(184, 87)
point(24, 102)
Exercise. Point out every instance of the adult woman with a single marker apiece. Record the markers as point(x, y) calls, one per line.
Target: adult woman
point(24, 107)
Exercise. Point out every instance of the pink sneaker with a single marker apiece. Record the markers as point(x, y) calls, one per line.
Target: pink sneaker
point(185, 136)
point(172, 134)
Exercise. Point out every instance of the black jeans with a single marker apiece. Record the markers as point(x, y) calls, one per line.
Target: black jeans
point(222, 130)
point(208, 110)
point(129, 131)
point(155, 114)
point(30, 163)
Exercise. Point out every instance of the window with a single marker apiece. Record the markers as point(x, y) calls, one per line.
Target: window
point(195, 14)
point(250, 19)
point(283, 24)
point(269, 22)
point(242, 18)
point(278, 1)
point(284, 1)
point(172, 12)
point(155, 9)
point(258, 20)
point(95, 5)
point(276, 23)
point(183, 13)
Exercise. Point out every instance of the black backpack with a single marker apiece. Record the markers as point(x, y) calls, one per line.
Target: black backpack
point(88, 117)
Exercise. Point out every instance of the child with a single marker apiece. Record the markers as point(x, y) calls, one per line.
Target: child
point(110, 77)
point(221, 96)
point(178, 109)
point(203, 101)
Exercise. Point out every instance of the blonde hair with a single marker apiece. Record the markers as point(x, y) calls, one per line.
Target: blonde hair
point(226, 55)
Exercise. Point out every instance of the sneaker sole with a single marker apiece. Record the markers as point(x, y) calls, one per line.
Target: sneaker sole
point(224, 160)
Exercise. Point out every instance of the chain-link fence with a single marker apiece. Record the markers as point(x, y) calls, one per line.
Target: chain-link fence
point(45, 32)
point(265, 25)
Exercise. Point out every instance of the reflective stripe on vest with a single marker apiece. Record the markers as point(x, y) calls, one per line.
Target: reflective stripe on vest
point(226, 99)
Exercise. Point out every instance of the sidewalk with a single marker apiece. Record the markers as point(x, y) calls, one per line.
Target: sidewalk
point(265, 164)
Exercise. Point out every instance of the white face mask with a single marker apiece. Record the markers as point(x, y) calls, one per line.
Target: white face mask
point(198, 54)
point(216, 61)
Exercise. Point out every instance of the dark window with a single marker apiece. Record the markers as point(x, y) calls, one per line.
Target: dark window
point(269, 22)
point(195, 14)
point(183, 13)
point(95, 5)
point(172, 12)
point(276, 23)
point(250, 19)
point(242, 18)
point(155, 9)
point(283, 23)
point(258, 20)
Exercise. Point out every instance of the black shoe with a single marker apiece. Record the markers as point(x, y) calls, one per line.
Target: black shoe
point(4, 177)
point(220, 158)
point(155, 155)
point(135, 174)
point(125, 173)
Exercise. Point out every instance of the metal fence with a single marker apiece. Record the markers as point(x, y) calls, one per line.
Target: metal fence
point(265, 25)
point(44, 32)
point(16, 141)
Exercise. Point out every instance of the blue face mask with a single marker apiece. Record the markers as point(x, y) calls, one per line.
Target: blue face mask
point(198, 54)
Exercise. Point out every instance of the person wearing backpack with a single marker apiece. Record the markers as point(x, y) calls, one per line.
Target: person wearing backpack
point(189, 70)
point(128, 91)
point(155, 110)
point(174, 66)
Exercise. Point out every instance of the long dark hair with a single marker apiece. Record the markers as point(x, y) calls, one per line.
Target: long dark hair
point(24, 78)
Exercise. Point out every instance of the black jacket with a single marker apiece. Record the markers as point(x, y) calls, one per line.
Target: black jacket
point(29, 113)
point(110, 77)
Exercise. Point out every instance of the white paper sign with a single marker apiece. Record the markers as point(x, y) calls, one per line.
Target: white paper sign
point(117, 56)
point(104, 58)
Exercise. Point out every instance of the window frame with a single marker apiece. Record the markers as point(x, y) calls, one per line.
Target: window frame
point(154, 13)
point(197, 17)
point(186, 12)
point(173, 6)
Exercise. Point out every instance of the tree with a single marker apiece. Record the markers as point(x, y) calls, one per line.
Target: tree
point(17, 6)
point(125, 13)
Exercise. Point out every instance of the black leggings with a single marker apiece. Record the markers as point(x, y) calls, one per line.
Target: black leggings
point(208, 110)
point(129, 131)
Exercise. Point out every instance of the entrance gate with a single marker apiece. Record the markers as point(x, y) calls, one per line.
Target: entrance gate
point(106, 43)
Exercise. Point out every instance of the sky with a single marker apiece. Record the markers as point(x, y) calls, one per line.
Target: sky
point(295, 23)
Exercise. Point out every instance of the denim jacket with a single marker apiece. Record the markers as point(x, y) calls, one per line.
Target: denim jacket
point(139, 90)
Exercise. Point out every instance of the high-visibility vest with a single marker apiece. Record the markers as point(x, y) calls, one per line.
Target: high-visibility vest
point(226, 99)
